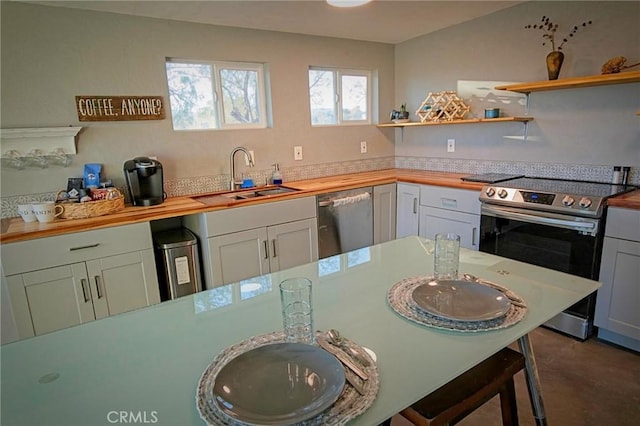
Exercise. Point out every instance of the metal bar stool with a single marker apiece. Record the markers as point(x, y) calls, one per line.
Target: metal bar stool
point(452, 402)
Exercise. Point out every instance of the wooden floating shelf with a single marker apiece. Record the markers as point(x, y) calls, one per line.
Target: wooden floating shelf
point(574, 82)
point(464, 121)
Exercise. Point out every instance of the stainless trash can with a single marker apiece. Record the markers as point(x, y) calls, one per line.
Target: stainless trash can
point(178, 261)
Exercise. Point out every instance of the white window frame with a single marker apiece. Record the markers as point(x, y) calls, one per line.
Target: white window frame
point(216, 82)
point(338, 73)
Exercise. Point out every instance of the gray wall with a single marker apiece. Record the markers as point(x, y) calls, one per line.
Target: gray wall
point(50, 55)
point(592, 126)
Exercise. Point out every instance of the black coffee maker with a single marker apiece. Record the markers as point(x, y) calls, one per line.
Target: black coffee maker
point(144, 181)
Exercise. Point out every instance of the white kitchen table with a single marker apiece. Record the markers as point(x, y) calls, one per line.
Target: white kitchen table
point(145, 365)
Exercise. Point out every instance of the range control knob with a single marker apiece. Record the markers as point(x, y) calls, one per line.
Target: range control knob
point(502, 193)
point(585, 202)
point(568, 201)
point(490, 191)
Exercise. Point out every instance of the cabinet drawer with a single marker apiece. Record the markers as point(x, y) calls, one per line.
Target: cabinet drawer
point(257, 216)
point(461, 200)
point(623, 223)
point(48, 252)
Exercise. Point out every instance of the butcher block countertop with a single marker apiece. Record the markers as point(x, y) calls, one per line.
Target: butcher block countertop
point(630, 200)
point(14, 229)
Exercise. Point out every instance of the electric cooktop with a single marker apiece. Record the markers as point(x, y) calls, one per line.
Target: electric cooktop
point(490, 177)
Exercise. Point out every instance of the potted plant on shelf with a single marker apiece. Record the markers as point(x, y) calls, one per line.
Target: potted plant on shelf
point(401, 116)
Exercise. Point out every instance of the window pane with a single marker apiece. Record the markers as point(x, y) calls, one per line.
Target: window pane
point(354, 97)
point(191, 96)
point(322, 97)
point(240, 101)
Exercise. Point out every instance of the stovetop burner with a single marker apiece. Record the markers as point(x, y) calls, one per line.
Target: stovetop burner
point(577, 198)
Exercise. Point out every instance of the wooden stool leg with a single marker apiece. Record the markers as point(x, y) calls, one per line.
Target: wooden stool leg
point(508, 404)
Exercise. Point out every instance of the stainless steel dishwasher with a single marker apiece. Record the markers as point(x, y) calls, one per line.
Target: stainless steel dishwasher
point(345, 221)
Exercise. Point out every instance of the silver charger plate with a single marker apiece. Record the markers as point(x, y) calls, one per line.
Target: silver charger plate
point(279, 384)
point(401, 301)
point(460, 300)
point(349, 405)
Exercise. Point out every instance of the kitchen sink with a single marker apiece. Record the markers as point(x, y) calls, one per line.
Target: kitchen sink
point(243, 195)
point(259, 193)
point(276, 191)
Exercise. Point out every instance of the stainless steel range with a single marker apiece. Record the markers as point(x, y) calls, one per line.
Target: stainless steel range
point(557, 224)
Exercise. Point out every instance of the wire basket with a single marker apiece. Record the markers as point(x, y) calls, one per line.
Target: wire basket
point(113, 203)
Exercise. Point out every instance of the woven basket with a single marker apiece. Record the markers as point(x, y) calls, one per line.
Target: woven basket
point(92, 208)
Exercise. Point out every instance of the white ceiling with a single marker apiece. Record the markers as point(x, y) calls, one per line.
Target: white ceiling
point(388, 21)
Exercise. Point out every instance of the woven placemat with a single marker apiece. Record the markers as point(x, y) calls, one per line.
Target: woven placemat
point(349, 405)
point(401, 300)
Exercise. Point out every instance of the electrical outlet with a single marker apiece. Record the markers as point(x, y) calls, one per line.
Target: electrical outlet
point(363, 147)
point(297, 153)
point(451, 145)
point(253, 158)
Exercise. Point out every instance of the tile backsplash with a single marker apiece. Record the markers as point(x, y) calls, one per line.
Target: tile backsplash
point(205, 184)
point(546, 170)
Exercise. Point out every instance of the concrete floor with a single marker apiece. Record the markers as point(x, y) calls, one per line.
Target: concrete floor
point(583, 384)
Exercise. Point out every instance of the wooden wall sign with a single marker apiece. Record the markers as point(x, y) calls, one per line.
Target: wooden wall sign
point(119, 108)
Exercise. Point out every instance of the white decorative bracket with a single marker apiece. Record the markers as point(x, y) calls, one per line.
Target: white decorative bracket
point(38, 146)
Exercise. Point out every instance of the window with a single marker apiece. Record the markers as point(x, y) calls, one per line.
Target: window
point(338, 96)
point(216, 95)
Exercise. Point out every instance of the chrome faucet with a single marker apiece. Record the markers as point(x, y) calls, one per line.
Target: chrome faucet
point(234, 184)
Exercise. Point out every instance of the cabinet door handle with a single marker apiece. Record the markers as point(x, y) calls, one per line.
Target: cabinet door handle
point(266, 249)
point(83, 283)
point(84, 247)
point(415, 206)
point(273, 244)
point(473, 236)
point(98, 286)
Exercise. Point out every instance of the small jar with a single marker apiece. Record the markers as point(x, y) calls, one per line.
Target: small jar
point(491, 112)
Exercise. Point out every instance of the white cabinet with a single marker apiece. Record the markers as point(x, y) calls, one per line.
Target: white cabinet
point(292, 244)
point(384, 213)
point(233, 257)
point(408, 196)
point(245, 242)
point(444, 210)
point(617, 314)
point(254, 252)
point(58, 282)
point(51, 299)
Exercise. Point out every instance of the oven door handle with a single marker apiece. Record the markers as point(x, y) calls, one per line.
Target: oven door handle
point(588, 226)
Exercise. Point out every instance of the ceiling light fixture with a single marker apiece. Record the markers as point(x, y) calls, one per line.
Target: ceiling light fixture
point(347, 3)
